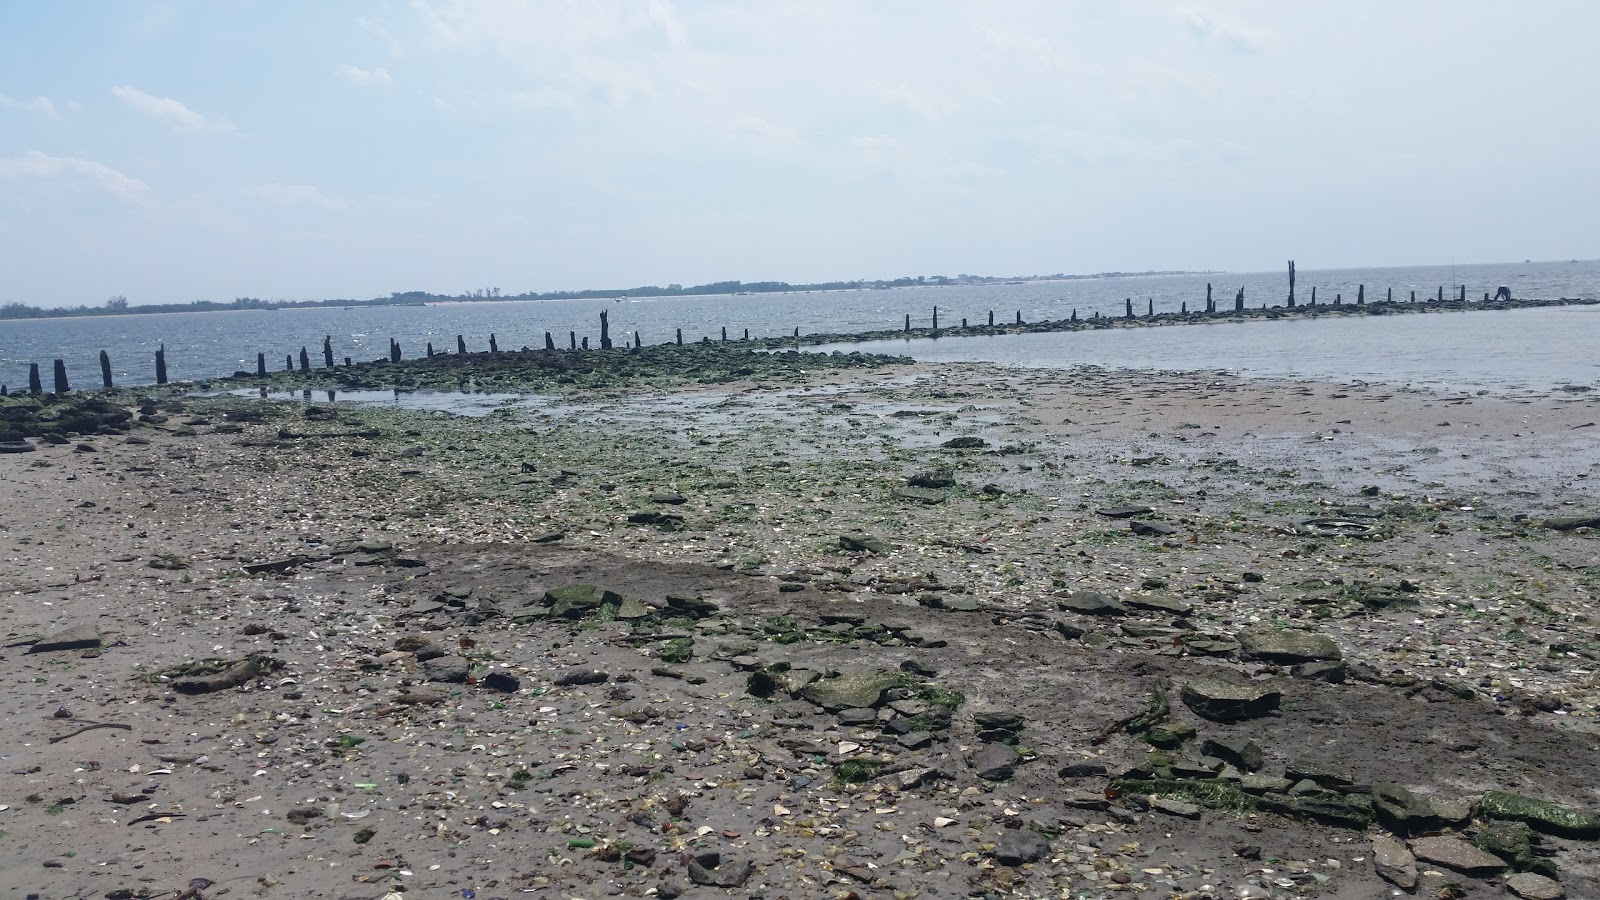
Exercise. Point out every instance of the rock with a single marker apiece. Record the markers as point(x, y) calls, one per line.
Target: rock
point(1019, 846)
point(582, 677)
point(1542, 815)
point(858, 716)
point(1241, 753)
point(272, 565)
point(1175, 808)
point(1124, 512)
point(719, 874)
point(1091, 603)
point(933, 478)
point(1157, 603)
point(861, 542)
point(1151, 529)
point(634, 608)
point(694, 607)
point(995, 762)
point(501, 681)
point(965, 443)
point(1511, 841)
point(1170, 736)
point(852, 689)
point(1327, 807)
point(671, 498)
point(1229, 701)
point(959, 604)
point(1451, 811)
point(575, 601)
point(1320, 775)
point(919, 495)
point(1264, 784)
point(1568, 523)
point(1535, 887)
point(1330, 671)
point(1457, 854)
point(998, 725)
point(1393, 862)
point(1401, 811)
point(915, 740)
point(1286, 646)
point(446, 669)
point(73, 637)
point(1083, 770)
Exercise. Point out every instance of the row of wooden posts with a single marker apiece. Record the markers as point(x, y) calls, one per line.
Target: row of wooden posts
point(35, 384)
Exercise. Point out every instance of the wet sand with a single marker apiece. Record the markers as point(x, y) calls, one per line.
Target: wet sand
point(1463, 624)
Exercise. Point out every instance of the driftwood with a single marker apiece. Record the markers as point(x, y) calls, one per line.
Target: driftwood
point(90, 727)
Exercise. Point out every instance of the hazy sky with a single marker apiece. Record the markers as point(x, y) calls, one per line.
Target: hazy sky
point(173, 151)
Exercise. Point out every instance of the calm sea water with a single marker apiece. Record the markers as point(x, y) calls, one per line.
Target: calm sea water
point(1526, 349)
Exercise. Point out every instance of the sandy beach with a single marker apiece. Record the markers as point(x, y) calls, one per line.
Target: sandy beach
point(904, 631)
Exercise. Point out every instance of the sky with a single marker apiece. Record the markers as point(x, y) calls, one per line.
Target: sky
point(289, 149)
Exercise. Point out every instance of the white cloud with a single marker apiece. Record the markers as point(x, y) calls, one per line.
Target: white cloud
point(396, 49)
point(292, 195)
point(760, 134)
point(378, 77)
point(1230, 33)
point(41, 105)
point(34, 164)
point(168, 110)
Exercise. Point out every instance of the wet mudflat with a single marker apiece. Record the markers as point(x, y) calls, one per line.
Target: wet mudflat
point(905, 631)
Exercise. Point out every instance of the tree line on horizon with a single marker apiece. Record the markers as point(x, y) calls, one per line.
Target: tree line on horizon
point(119, 305)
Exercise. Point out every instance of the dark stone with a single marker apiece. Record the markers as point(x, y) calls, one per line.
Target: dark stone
point(1542, 815)
point(996, 762)
point(965, 443)
point(933, 478)
point(1305, 770)
point(861, 542)
point(501, 681)
point(918, 495)
point(73, 637)
point(1287, 646)
point(1241, 753)
point(1091, 603)
point(1401, 811)
point(1151, 529)
point(1568, 523)
point(1019, 846)
point(1124, 512)
point(1083, 770)
point(720, 874)
point(574, 679)
point(1229, 701)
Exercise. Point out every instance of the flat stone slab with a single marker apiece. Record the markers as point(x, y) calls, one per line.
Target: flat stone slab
point(1151, 529)
point(1158, 603)
point(1393, 862)
point(1124, 512)
point(1529, 886)
point(1541, 815)
point(1019, 846)
point(73, 637)
point(1229, 701)
point(850, 690)
point(1092, 603)
point(1457, 854)
point(1287, 645)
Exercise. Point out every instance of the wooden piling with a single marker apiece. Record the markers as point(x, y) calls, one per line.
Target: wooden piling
point(605, 330)
point(1413, 296)
point(347, 362)
point(797, 331)
point(1313, 295)
point(1186, 307)
point(586, 342)
point(1440, 298)
point(35, 386)
point(724, 334)
point(327, 351)
point(1291, 287)
point(105, 368)
point(1463, 293)
point(747, 334)
point(936, 318)
point(963, 324)
point(288, 362)
point(908, 323)
point(461, 345)
point(394, 350)
point(636, 342)
point(1338, 300)
point(430, 350)
point(549, 341)
point(991, 318)
point(61, 377)
point(1389, 296)
point(1074, 314)
point(1361, 295)
point(494, 345)
point(1019, 317)
point(1150, 307)
point(161, 364)
point(261, 365)
point(572, 338)
point(305, 360)
point(680, 337)
point(1129, 303)
point(1238, 301)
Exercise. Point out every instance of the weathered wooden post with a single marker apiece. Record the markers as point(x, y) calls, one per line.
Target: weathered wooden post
point(572, 337)
point(288, 362)
point(1019, 317)
point(35, 386)
point(908, 322)
point(1209, 306)
point(991, 318)
point(936, 318)
point(1463, 293)
point(494, 345)
point(1361, 295)
point(327, 351)
point(724, 334)
point(1129, 302)
point(586, 342)
point(1440, 298)
point(1413, 296)
point(1313, 295)
point(1186, 307)
point(747, 334)
point(1238, 301)
point(305, 360)
point(636, 342)
point(680, 337)
point(1150, 307)
point(605, 330)
point(1291, 286)
point(261, 365)
point(347, 362)
point(394, 350)
point(963, 324)
point(797, 331)
point(461, 345)
point(430, 350)
point(1074, 314)
point(1338, 300)
point(549, 341)
point(105, 368)
point(161, 364)
point(1389, 296)
point(61, 377)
